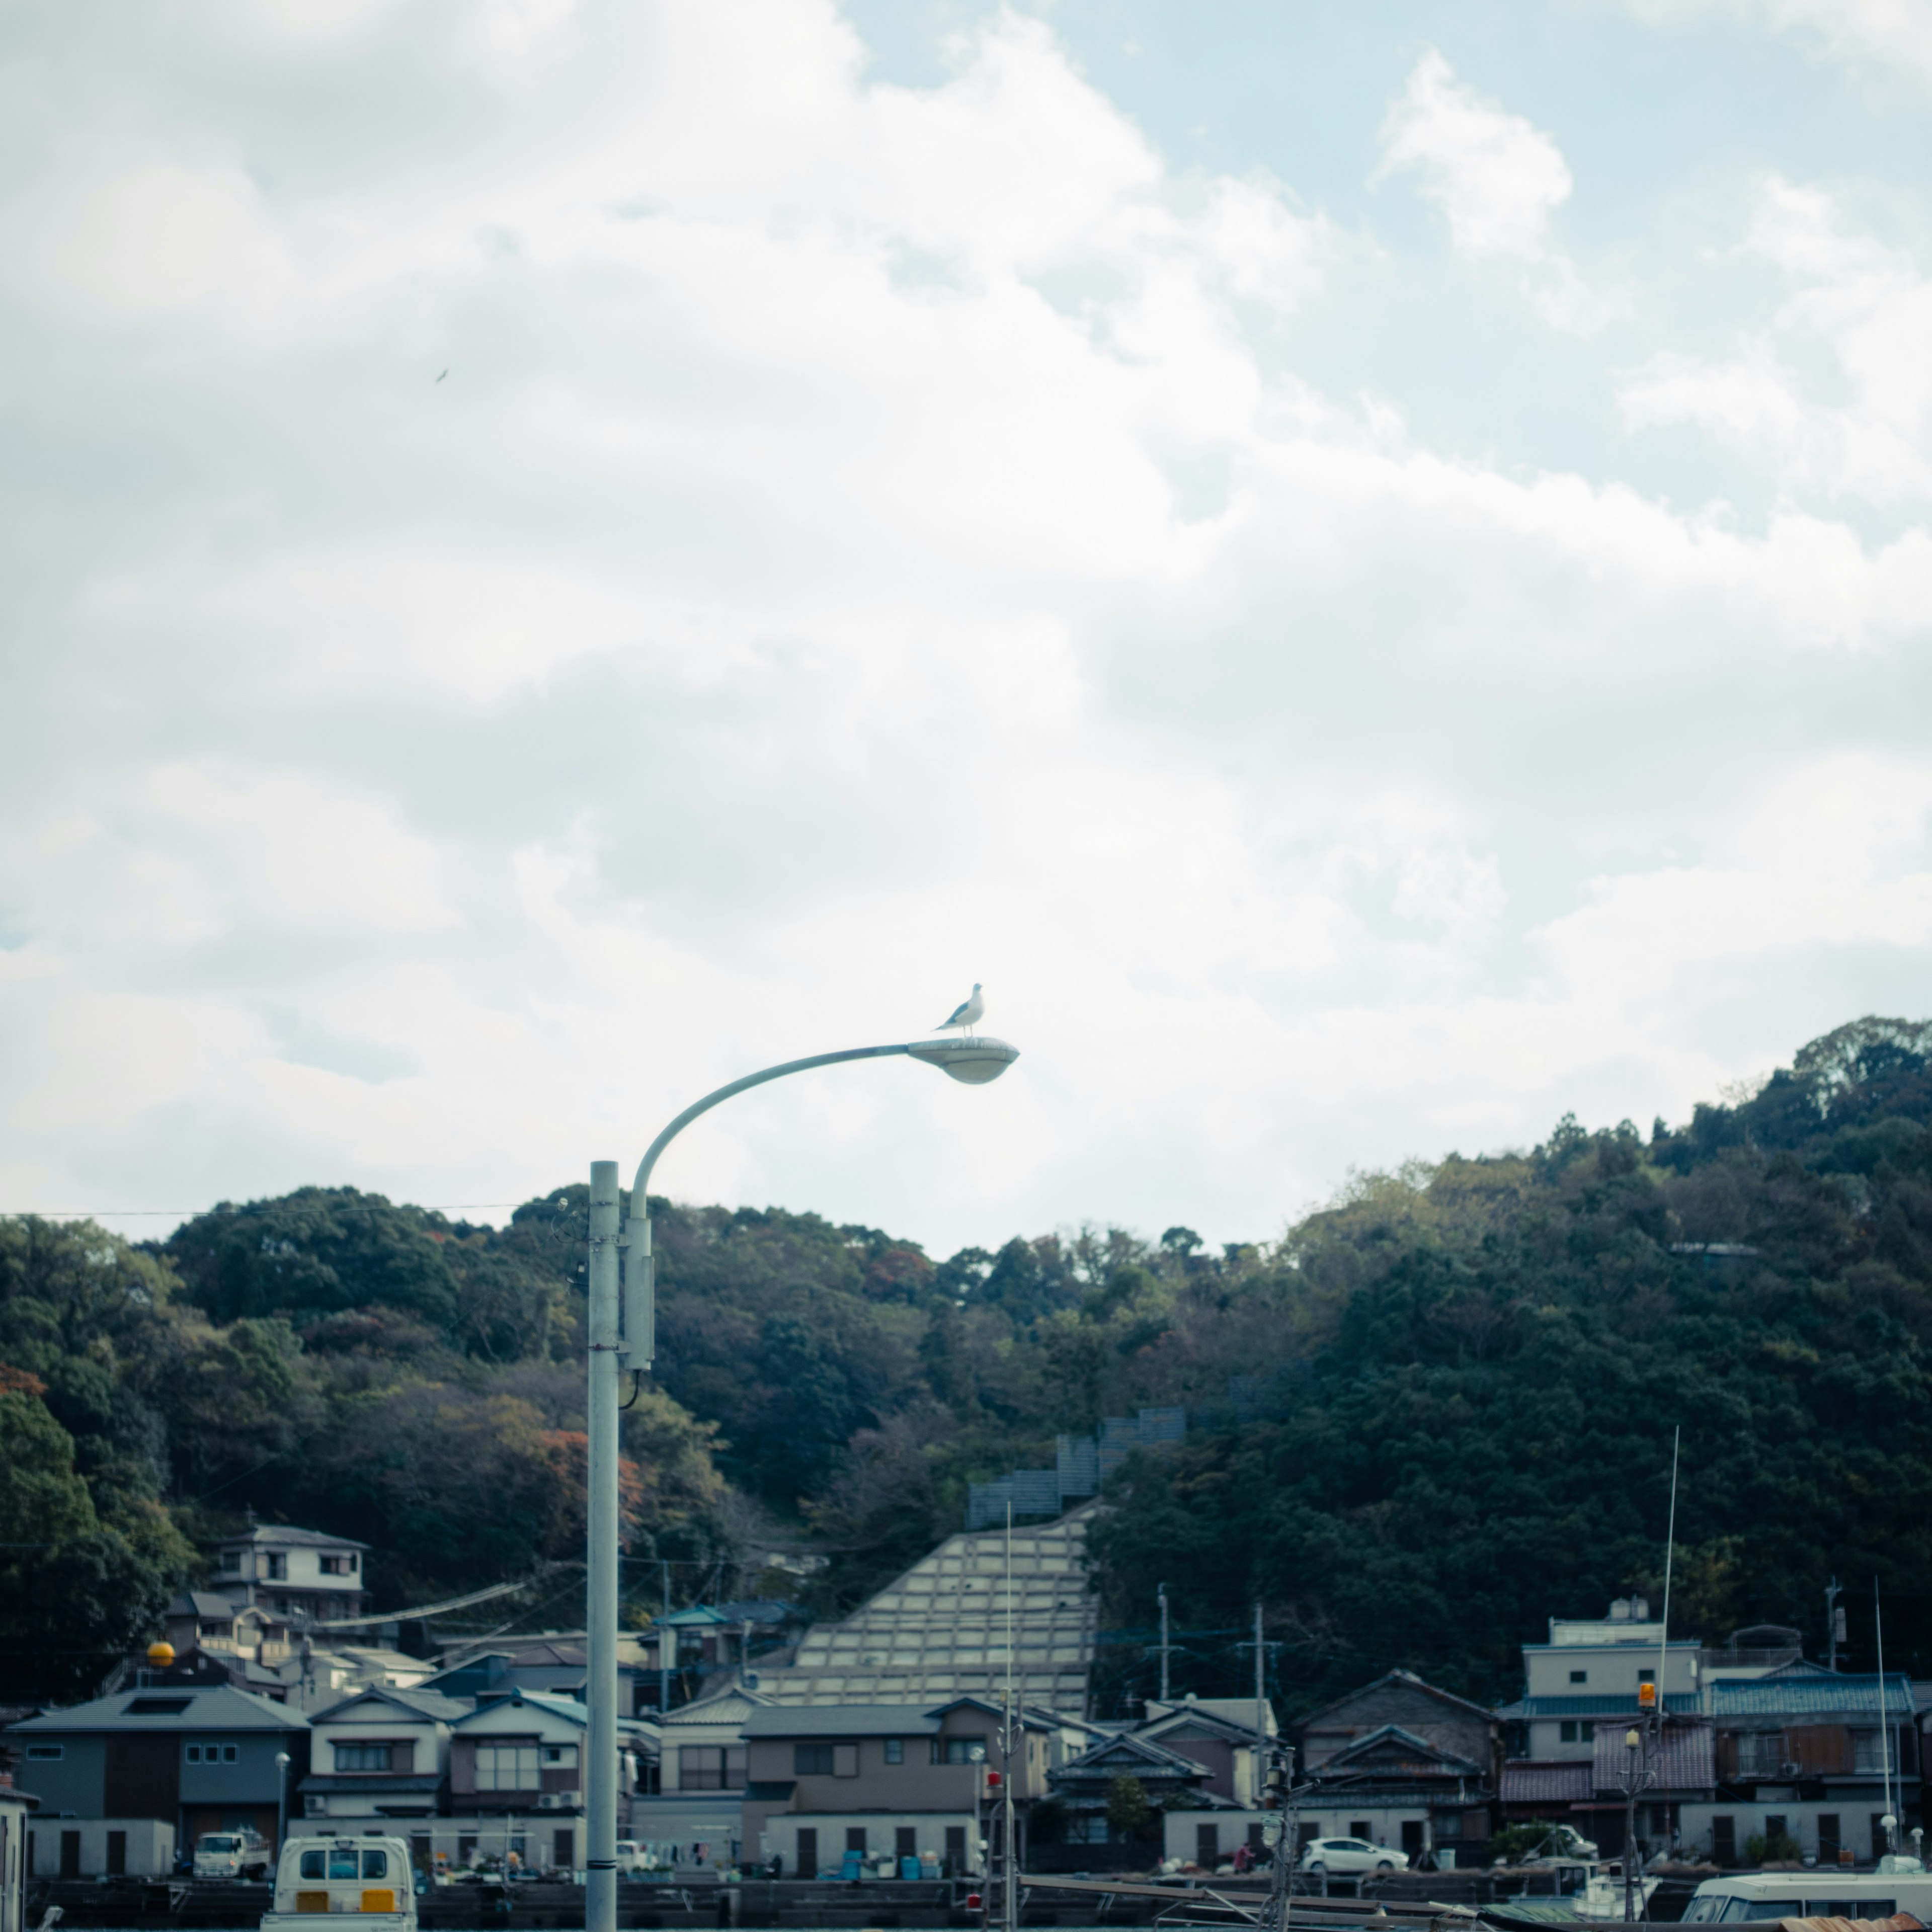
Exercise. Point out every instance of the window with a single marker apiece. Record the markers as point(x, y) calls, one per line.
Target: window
point(375, 1864)
point(362, 1757)
point(506, 1768)
point(1865, 1751)
point(229, 1752)
point(811, 1760)
point(1361, 1829)
point(1589, 1731)
point(562, 1755)
point(278, 1569)
point(157, 1707)
point(45, 1753)
point(1566, 1732)
point(1579, 1677)
point(959, 1751)
point(855, 1839)
point(706, 1767)
point(338, 1566)
point(193, 1754)
point(905, 1841)
point(896, 1751)
point(1646, 1677)
point(466, 1849)
point(231, 1561)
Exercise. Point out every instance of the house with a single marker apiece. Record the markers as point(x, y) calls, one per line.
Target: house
point(1593, 1671)
point(883, 1780)
point(700, 1782)
point(16, 1807)
point(378, 1757)
point(1677, 1768)
point(195, 1757)
point(556, 1665)
point(516, 1781)
point(1808, 1754)
point(1400, 1698)
point(1216, 1732)
point(298, 1577)
point(1393, 1787)
point(1174, 1785)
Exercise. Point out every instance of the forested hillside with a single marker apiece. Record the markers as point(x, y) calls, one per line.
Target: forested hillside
point(1427, 1417)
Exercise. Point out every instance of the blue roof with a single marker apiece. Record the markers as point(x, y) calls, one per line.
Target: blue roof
point(1812, 1694)
point(1594, 1707)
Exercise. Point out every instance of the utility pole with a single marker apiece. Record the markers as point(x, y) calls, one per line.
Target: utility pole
point(666, 1637)
point(1163, 1642)
point(1638, 1776)
point(1834, 1621)
point(1261, 1704)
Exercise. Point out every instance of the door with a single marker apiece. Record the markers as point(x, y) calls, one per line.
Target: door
point(1411, 1839)
point(563, 1847)
point(1724, 1839)
point(1828, 1840)
point(1207, 1847)
point(117, 1854)
point(855, 1839)
point(807, 1853)
point(955, 1851)
point(905, 1842)
point(70, 1854)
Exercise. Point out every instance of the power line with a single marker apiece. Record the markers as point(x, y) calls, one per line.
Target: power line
point(195, 1213)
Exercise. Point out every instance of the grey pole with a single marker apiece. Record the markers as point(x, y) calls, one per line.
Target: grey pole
point(665, 1637)
point(1163, 1643)
point(973, 1062)
point(600, 1896)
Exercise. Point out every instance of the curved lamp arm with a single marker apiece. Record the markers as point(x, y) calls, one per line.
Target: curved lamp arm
point(974, 1061)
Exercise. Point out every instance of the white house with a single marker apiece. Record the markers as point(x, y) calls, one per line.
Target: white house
point(379, 1757)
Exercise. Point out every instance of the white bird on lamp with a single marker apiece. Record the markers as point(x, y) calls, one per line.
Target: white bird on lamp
point(966, 1016)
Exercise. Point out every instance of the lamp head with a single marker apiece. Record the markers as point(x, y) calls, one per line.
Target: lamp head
point(974, 1061)
point(1631, 1740)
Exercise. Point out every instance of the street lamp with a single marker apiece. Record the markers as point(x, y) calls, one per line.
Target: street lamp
point(628, 1333)
point(281, 1801)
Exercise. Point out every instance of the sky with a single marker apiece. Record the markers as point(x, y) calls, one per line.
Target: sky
point(1365, 566)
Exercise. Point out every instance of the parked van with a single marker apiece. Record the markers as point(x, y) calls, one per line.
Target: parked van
point(368, 1880)
point(1829, 1892)
point(236, 1854)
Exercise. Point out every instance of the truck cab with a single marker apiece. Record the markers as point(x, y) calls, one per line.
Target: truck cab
point(233, 1854)
point(368, 1880)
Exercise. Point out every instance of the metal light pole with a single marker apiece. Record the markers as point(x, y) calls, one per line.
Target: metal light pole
point(281, 1801)
point(1163, 1642)
point(628, 1338)
point(1637, 1776)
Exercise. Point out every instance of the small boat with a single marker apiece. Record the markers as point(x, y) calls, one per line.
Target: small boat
point(368, 1880)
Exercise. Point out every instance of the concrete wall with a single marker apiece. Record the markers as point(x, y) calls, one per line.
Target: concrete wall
point(150, 1846)
point(780, 1835)
point(1183, 1829)
point(74, 1782)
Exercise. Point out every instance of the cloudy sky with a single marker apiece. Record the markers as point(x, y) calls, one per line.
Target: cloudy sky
point(1365, 566)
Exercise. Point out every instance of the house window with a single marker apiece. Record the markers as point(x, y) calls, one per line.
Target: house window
point(1589, 1731)
point(338, 1566)
point(1646, 1677)
point(1091, 1829)
point(959, 1751)
point(709, 1767)
point(363, 1757)
point(466, 1849)
point(45, 1753)
point(506, 1768)
point(194, 1754)
point(278, 1569)
point(1579, 1677)
point(1566, 1732)
point(231, 1560)
point(896, 1751)
point(1865, 1751)
point(855, 1839)
point(811, 1760)
point(564, 1755)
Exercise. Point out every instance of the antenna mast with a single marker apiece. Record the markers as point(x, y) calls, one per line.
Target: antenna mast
point(1890, 1820)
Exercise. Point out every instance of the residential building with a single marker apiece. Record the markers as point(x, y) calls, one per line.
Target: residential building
point(1809, 1754)
point(16, 1808)
point(556, 1664)
point(890, 1780)
point(516, 1780)
point(1217, 1733)
point(1402, 1699)
point(1394, 1788)
point(300, 1577)
point(1593, 1671)
point(701, 1781)
point(379, 1758)
point(1176, 1789)
point(196, 1757)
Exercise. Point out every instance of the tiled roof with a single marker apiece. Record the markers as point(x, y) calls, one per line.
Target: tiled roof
point(1809, 1696)
point(1683, 1761)
point(1686, 1701)
point(167, 1707)
point(281, 1534)
point(1524, 1783)
point(839, 1720)
point(431, 1704)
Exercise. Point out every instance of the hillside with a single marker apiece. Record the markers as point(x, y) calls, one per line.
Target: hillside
point(1430, 1416)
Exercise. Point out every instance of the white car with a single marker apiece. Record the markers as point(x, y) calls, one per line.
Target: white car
point(1348, 1856)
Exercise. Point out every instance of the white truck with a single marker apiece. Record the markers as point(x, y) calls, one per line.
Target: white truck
point(368, 1880)
point(234, 1854)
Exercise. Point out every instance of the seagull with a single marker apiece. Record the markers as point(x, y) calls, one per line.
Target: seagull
point(966, 1015)
point(439, 378)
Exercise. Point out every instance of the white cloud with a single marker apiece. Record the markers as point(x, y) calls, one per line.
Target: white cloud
point(1499, 179)
point(1894, 34)
point(1868, 307)
point(871, 538)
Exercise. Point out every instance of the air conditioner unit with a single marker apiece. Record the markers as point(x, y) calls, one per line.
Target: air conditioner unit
point(1790, 1768)
point(557, 1801)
